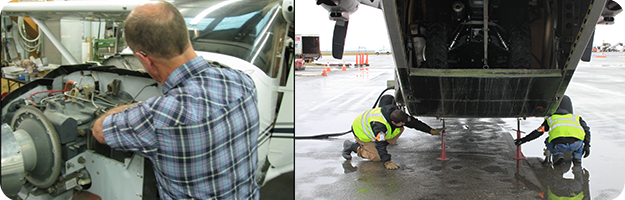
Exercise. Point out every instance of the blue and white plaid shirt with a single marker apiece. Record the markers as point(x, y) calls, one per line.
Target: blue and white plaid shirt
point(201, 135)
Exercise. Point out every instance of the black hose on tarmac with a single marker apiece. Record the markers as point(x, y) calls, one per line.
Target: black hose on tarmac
point(328, 135)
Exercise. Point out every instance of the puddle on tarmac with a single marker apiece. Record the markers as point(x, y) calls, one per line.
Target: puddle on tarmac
point(493, 169)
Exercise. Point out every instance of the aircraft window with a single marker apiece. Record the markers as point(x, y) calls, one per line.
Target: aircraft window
point(234, 22)
point(250, 30)
point(200, 25)
point(262, 23)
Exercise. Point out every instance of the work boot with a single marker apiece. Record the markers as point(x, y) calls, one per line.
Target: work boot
point(558, 158)
point(348, 148)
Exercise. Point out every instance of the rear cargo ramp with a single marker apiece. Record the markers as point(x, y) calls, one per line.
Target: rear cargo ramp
point(484, 93)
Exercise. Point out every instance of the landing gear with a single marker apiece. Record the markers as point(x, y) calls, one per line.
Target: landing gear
point(520, 46)
point(436, 46)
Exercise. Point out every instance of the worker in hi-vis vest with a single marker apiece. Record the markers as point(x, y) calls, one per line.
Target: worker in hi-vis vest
point(376, 128)
point(567, 133)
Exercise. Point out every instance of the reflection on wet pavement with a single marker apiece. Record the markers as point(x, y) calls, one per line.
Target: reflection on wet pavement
point(347, 166)
point(553, 182)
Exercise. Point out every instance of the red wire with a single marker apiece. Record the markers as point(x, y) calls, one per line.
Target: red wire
point(53, 91)
point(48, 91)
point(67, 85)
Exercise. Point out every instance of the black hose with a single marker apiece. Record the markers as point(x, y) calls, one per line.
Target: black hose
point(379, 97)
point(321, 136)
point(328, 135)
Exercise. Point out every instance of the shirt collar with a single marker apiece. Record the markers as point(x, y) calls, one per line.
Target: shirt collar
point(184, 72)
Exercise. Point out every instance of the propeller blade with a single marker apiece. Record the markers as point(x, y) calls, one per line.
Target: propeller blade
point(326, 2)
point(338, 39)
point(588, 51)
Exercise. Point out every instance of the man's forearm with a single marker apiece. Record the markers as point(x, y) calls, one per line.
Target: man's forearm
point(418, 124)
point(97, 129)
point(381, 147)
point(113, 111)
point(118, 109)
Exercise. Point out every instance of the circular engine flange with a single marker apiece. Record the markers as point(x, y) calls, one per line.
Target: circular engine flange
point(48, 146)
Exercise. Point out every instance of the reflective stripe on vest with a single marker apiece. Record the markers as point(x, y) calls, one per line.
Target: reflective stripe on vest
point(364, 122)
point(565, 126)
point(364, 131)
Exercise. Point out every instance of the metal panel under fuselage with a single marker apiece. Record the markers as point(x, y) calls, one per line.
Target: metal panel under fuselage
point(483, 93)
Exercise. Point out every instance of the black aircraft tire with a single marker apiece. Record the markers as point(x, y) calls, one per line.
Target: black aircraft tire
point(520, 46)
point(436, 46)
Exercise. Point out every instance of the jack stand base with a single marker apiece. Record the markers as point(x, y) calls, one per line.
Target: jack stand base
point(442, 159)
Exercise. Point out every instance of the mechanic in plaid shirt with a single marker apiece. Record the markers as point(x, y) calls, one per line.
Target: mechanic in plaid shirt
point(202, 134)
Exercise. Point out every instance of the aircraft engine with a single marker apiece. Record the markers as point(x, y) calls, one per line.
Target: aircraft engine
point(44, 135)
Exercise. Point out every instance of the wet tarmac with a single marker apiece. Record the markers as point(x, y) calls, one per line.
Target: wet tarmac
point(481, 150)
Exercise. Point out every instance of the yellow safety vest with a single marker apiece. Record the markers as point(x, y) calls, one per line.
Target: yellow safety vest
point(552, 196)
point(565, 126)
point(364, 131)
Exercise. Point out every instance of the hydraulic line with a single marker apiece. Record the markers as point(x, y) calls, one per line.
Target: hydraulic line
point(153, 85)
point(328, 135)
point(39, 92)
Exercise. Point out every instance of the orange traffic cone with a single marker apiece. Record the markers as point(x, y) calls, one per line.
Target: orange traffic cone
point(357, 60)
point(362, 59)
point(343, 67)
point(324, 71)
point(367, 61)
point(329, 70)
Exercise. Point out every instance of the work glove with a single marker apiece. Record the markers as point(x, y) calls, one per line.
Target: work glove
point(520, 141)
point(586, 150)
point(436, 131)
point(390, 165)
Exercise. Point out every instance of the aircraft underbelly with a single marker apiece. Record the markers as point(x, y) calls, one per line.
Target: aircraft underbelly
point(483, 93)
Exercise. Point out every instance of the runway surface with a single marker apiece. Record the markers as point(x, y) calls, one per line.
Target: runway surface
point(481, 149)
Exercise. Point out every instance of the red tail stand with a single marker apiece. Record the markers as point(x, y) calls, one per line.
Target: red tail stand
point(443, 146)
point(519, 155)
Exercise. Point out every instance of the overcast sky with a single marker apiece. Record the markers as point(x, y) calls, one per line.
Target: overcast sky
point(367, 27)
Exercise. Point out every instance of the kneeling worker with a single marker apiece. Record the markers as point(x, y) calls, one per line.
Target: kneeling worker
point(566, 134)
point(378, 127)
